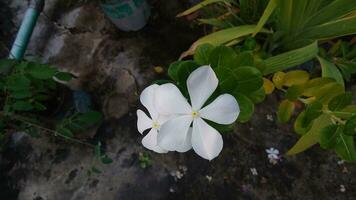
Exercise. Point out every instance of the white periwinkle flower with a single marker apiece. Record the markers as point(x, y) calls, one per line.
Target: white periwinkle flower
point(272, 153)
point(176, 134)
point(153, 123)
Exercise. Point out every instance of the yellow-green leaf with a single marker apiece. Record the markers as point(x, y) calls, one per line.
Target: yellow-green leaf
point(329, 70)
point(296, 77)
point(312, 86)
point(312, 136)
point(199, 6)
point(278, 79)
point(222, 37)
point(290, 58)
point(268, 86)
point(266, 14)
point(285, 111)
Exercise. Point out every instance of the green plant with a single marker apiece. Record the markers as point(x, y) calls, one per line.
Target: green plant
point(145, 160)
point(30, 92)
point(293, 30)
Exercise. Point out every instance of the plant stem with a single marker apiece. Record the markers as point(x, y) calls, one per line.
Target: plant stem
point(46, 130)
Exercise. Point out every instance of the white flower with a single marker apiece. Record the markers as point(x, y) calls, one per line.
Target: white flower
point(254, 171)
point(175, 134)
point(342, 188)
point(153, 123)
point(272, 153)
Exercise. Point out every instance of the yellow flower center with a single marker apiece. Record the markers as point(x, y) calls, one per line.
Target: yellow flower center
point(195, 114)
point(155, 125)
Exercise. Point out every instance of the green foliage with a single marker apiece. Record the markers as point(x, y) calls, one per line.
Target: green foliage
point(293, 31)
point(27, 91)
point(145, 160)
point(26, 85)
point(78, 122)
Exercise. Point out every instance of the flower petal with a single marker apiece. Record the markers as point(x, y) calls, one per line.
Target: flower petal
point(201, 83)
point(143, 121)
point(206, 141)
point(173, 134)
point(187, 145)
point(147, 99)
point(169, 100)
point(223, 110)
point(150, 142)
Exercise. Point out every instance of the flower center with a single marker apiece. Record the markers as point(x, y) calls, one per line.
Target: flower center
point(195, 114)
point(155, 125)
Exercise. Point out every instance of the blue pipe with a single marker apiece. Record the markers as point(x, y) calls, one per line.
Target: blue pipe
point(24, 34)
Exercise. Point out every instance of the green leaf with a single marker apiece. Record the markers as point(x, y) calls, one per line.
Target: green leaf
point(6, 65)
point(184, 70)
point(202, 54)
point(298, 124)
point(65, 132)
point(40, 71)
point(106, 160)
point(222, 37)
point(290, 59)
point(246, 107)
point(328, 91)
point(346, 113)
point(224, 57)
point(314, 85)
point(285, 111)
point(294, 92)
point(17, 82)
point(329, 135)
point(312, 136)
point(248, 79)
point(96, 170)
point(244, 59)
point(39, 106)
point(199, 6)
point(312, 112)
point(21, 94)
point(341, 101)
point(332, 11)
point(90, 118)
point(345, 147)
point(257, 96)
point(329, 70)
point(350, 126)
point(243, 79)
point(173, 70)
point(22, 106)
point(272, 4)
point(63, 76)
point(335, 28)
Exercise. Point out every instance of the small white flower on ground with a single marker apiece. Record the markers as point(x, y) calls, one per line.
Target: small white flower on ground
point(273, 155)
point(171, 190)
point(153, 123)
point(209, 178)
point(254, 171)
point(269, 117)
point(176, 134)
point(340, 162)
point(342, 188)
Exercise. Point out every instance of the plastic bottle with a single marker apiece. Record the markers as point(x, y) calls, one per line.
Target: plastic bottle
point(127, 15)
